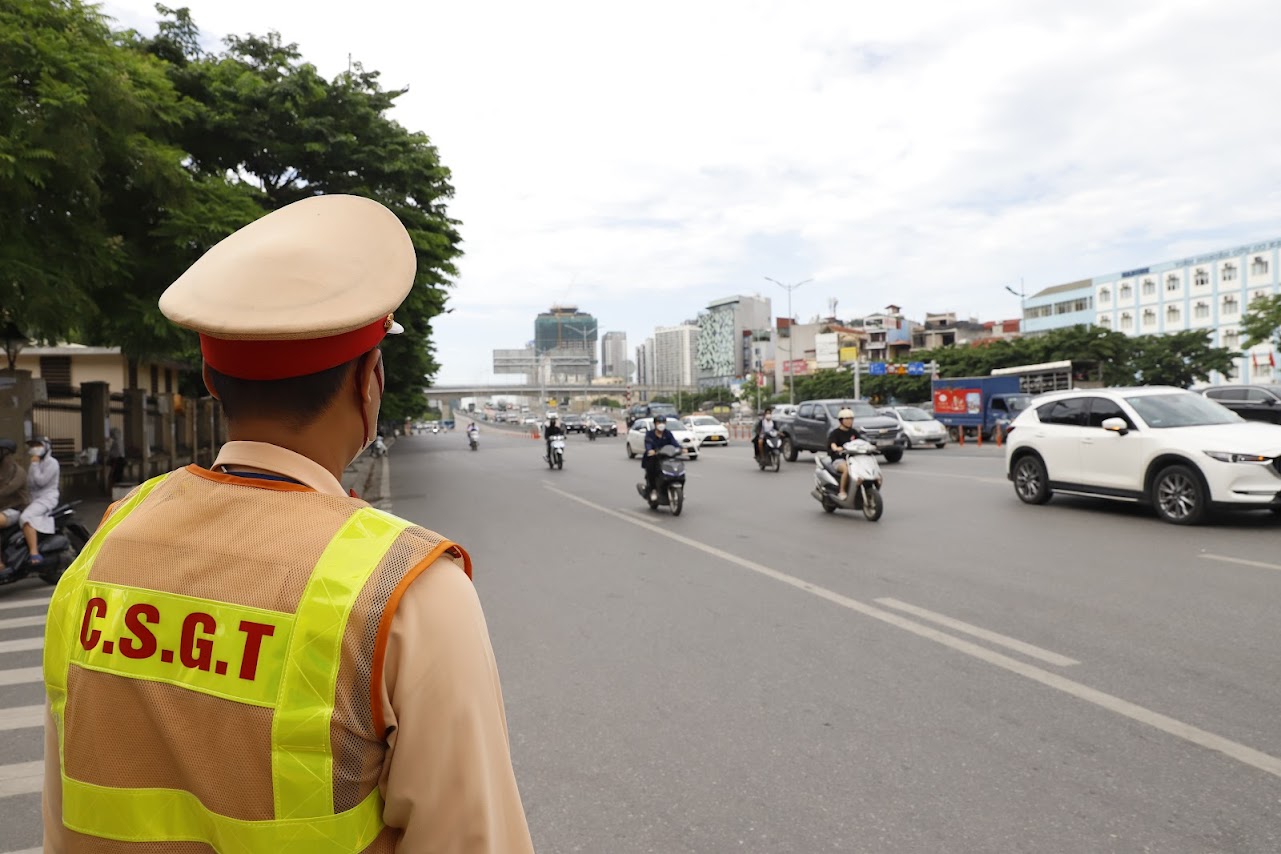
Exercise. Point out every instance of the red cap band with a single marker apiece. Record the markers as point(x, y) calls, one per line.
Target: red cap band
point(278, 360)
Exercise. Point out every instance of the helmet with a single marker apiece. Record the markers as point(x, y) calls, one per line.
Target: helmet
point(552, 418)
point(844, 413)
point(660, 419)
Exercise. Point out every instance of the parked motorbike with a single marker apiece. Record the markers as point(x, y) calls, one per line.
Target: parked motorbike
point(556, 457)
point(770, 456)
point(670, 483)
point(865, 481)
point(58, 549)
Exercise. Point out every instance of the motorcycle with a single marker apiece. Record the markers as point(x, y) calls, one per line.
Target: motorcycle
point(592, 430)
point(771, 455)
point(670, 483)
point(58, 549)
point(378, 448)
point(865, 480)
point(472, 441)
point(556, 457)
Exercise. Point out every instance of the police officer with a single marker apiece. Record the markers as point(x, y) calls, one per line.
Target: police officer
point(246, 657)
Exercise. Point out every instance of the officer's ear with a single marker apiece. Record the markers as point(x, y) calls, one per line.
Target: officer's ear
point(369, 375)
point(209, 384)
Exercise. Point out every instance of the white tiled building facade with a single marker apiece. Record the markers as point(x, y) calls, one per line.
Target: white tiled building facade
point(675, 348)
point(1210, 292)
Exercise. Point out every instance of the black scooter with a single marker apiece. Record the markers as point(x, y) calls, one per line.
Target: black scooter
point(670, 482)
point(58, 549)
point(770, 456)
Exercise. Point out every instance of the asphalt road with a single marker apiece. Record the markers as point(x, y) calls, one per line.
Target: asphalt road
point(968, 674)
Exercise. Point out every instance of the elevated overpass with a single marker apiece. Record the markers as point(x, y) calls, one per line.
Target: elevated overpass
point(552, 389)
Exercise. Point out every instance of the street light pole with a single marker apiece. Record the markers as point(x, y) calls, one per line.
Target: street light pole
point(1022, 295)
point(791, 368)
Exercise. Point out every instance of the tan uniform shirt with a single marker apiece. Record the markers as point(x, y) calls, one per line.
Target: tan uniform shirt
point(447, 782)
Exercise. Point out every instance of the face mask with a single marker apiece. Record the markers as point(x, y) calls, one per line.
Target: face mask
point(659, 428)
point(39, 451)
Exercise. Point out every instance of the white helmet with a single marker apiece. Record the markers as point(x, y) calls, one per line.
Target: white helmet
point(844, 413)
point(552, 417)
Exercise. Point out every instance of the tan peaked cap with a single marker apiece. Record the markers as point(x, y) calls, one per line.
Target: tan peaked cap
point(317, 268)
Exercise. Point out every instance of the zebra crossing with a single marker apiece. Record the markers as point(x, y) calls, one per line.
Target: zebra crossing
point(23, 607)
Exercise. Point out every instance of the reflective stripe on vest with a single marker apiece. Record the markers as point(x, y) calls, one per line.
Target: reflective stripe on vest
point(135, 633)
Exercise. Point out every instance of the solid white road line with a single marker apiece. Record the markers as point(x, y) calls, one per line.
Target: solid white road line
point(1241, 561)
point(21, 676)
point(10, 604)
point(21, 717)
point(994, 637)
point(21, 778)
point(1235, 750)
point(22, 622)
point(22, 645)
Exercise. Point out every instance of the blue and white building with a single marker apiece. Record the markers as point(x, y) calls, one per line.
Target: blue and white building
point(1210, 292)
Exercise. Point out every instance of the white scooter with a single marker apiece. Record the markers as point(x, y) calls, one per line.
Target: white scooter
point(556, 457)
point(865, 481)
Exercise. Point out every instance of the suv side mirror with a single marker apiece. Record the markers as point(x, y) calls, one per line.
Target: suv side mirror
point(1116, 425)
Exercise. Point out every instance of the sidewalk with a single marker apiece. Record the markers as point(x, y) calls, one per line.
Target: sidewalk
point(365, 475)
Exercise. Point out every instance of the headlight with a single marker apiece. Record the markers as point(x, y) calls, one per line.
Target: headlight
point(1229, 457)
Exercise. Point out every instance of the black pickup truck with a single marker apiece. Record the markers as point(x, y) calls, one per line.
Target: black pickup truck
point(814, 421)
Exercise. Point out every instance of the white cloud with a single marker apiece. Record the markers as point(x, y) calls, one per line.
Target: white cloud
point(641, 159)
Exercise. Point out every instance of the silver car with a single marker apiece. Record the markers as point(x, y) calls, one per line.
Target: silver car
point(919, 426)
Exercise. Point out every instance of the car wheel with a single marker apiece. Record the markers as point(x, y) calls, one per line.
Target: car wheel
point(910, 446)
point(789, 449)
point(1031, 483)
point(1178, 496)
point(631, 455)
point(940, 445)
point(893, 455)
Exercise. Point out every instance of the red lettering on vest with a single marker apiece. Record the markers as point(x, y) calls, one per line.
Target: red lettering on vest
point(97, 607)
point(197, 653)
point(145, 645)
point(254, 633)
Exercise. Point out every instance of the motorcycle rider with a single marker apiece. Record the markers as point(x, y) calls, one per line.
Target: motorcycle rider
point(472, 431)
point(655, 438)
point(553, 428)
point(763, 428)
point(836, 442)
point(13, 487)
point(42, 482)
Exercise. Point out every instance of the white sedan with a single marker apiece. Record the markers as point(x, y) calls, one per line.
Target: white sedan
point(919, 426)
point(709, 430)
point(636, 437)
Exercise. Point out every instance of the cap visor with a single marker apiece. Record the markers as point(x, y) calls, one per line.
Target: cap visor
point(396, 328)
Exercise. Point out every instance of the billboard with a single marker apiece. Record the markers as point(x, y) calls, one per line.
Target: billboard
point(958, 401)
point(827, 350)
point(849, 354)
point(796, 367)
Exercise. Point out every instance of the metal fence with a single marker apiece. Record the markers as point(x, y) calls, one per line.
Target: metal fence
point(58, 419)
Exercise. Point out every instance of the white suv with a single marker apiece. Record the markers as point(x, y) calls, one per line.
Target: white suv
point(1176, 450)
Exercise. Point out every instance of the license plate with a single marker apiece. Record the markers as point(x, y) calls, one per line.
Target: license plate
point(884, 443)
point(713, 438)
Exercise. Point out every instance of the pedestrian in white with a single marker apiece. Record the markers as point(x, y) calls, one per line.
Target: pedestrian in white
point(42, 483)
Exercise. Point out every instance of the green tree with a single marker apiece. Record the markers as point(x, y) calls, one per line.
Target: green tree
point(1262, 322)
point(1178, 359)
point(262, 114)
point(87, 164)
point(607, 403)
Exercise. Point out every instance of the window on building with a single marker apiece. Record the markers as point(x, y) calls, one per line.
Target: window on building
point(1231, 305)
point(1127, 291)
point(1105, 295)
point(1259, 266)
point(1229, 272)
point(1149, 288)
point(1201, 311)
point(1257, 295)
point(1171, 283)
point(1201, 277)
point(1106, 321)
point(1172, 314)
point(1149, 317)
point(1127, 320)
point(1231, 338)
point(56, 371)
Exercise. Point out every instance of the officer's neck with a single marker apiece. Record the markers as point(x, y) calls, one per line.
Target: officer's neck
point(316, 441)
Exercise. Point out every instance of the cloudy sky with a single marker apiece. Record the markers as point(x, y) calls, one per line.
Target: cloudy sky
point(641, 159)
